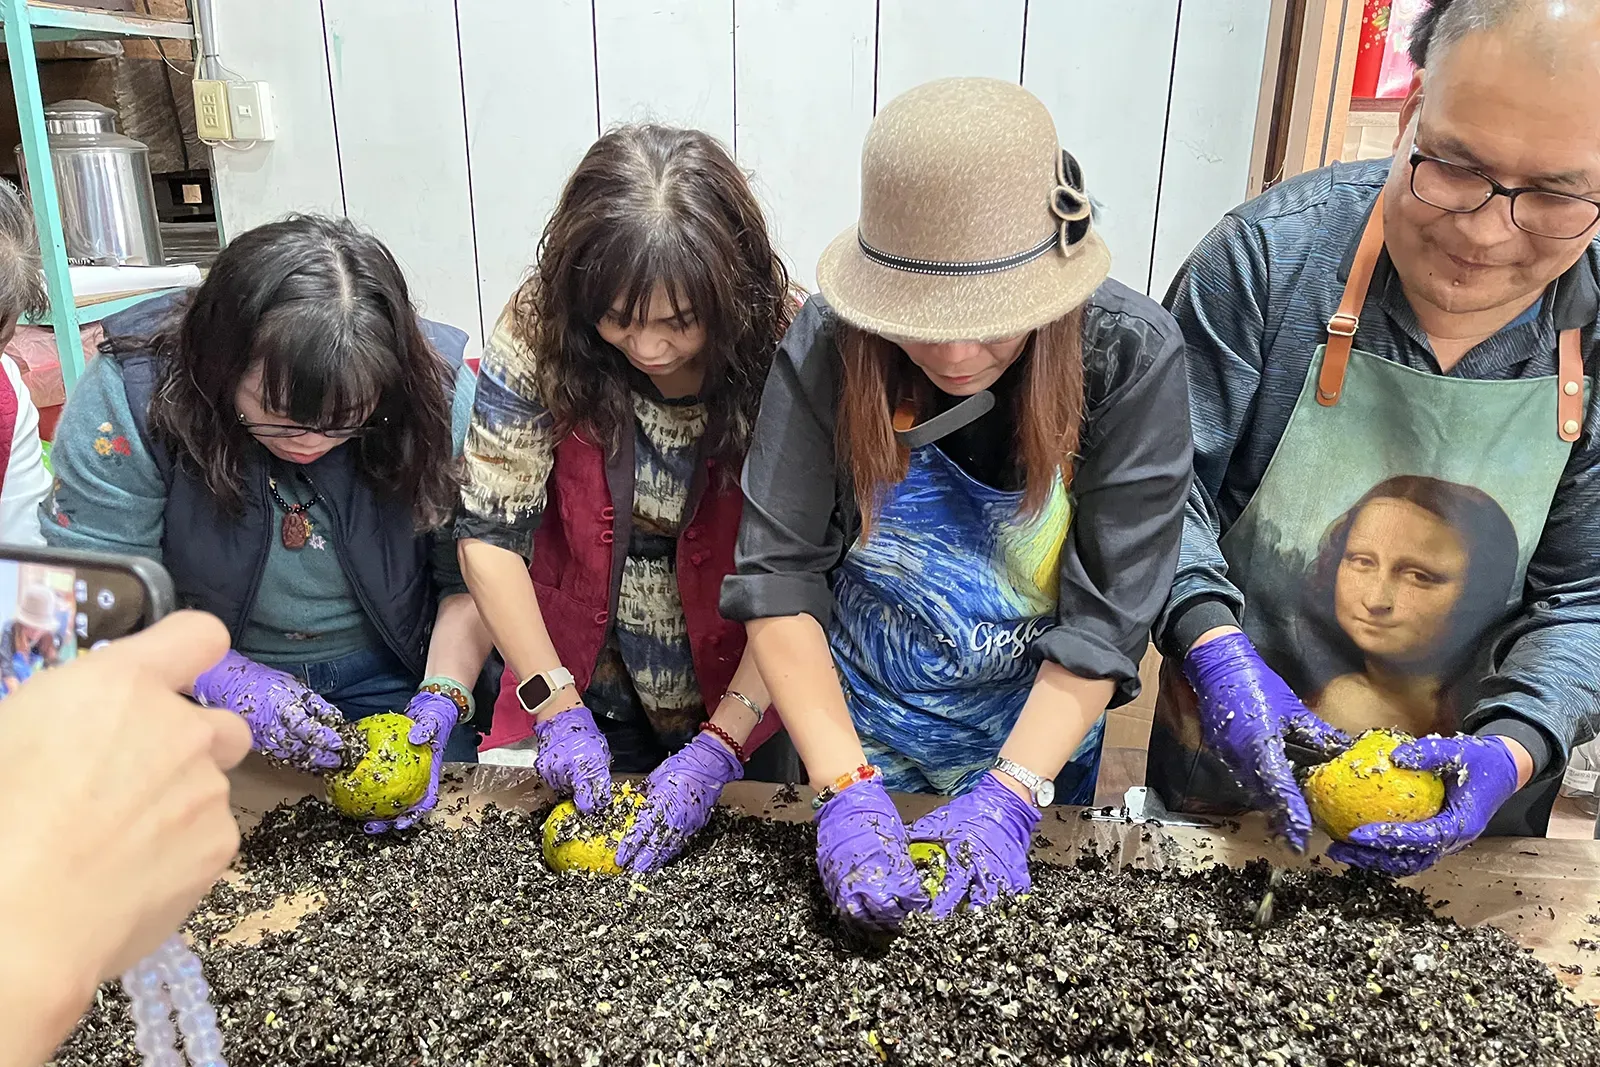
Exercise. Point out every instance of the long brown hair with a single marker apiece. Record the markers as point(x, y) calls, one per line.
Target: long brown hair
point(322, 307)
point(655, 205)
point(877, 375)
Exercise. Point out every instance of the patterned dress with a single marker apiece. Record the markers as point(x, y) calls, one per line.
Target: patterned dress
point(645, 670)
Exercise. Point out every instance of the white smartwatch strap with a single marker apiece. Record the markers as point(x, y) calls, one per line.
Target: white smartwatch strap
point(556, 679)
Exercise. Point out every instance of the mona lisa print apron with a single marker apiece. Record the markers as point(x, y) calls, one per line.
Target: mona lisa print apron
point(934, 615)
point(1387, 542)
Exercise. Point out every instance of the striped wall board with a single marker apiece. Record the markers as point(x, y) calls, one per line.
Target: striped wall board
point(449, 126)
point(803, 150)
point(281, 44)
point(398, 109)
point(665, 62)
point(1211, 125)
point(528, 124)
point(920, 40)
point(1104, 70)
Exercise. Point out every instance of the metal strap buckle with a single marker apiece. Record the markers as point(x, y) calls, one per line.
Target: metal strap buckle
point(1342, 325)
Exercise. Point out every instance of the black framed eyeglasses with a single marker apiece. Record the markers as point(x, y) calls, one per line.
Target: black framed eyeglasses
point(337, 433)
point(1462, 190)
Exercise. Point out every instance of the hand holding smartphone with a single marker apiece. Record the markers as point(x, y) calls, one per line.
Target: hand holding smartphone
point(55, 603)
point(115, 817)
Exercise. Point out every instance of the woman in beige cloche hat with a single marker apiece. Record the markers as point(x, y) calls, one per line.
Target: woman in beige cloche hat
point(963, 500)
point(30, 641)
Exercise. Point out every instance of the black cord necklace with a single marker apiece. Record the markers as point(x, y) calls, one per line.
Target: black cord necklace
point(296, 528)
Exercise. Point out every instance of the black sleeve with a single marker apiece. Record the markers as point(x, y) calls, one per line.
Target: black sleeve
point(1129, 492)
point(447, 577)
point(1219, 300)
point(791, 536)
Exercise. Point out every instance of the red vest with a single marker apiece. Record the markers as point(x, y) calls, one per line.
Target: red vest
point(9, 406)
point(578, 553)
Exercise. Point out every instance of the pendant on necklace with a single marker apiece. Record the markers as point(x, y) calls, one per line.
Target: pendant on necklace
point(296, 530)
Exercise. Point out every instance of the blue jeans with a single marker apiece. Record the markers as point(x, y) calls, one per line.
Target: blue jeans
point(371, 682)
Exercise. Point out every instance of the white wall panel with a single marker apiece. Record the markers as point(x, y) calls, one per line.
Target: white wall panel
point(804, 147)
point(402, 144)
point(281, 44)
point(919, 40)
point(670, 63)
point(528, 125)
point(457, 168)
point(1104, 70)
point(1222, 49)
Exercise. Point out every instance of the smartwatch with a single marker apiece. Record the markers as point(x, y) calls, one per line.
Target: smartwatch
point(1043, 789)
point(535, 692)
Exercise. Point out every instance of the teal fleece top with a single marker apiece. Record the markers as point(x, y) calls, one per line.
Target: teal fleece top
point(109, 496)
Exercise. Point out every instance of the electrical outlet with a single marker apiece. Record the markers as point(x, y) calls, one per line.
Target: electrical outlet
point(250, 109)
point(211, 119)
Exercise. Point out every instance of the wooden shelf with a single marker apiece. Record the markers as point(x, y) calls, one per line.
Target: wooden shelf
point(1377, 105)
point(25, 23)
point(61, 22)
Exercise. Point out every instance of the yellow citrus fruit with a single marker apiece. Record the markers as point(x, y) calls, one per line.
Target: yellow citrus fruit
point(932, 860)
point(390, 778)
point(1361, 786)
point(574, 842)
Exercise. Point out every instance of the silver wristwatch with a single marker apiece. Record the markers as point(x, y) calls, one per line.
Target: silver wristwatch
point(1043, 789)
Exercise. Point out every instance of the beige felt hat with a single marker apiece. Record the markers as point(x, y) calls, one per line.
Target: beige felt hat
point(36, 608)
point(974, 223)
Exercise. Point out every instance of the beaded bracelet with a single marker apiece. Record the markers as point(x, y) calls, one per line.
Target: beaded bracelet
point(171, 980)
point(863, 773)
point(712, 728)
point(448, 687)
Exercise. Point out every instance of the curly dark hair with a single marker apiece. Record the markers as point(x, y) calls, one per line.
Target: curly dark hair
point(1492, 558)
point(323, 309)
point(647, 206)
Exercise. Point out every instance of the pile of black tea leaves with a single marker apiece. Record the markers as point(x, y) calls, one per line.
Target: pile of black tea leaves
point(460, 947)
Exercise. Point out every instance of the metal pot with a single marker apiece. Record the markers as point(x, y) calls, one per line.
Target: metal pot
point(108, 204)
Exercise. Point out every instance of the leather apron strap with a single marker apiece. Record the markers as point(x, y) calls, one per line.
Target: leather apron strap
point(1342, 327)
point(1342, 335)
point(1569, 383)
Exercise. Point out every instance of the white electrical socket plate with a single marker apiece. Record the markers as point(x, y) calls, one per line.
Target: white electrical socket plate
point(250, 108)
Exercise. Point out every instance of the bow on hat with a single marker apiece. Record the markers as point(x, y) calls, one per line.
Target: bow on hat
point(1070, 204)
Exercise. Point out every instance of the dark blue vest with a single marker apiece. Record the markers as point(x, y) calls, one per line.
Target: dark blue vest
point(216, 559)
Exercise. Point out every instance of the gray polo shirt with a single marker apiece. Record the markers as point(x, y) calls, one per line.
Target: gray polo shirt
point(1129, 483)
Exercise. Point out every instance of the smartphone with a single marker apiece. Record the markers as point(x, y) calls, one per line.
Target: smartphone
point(56, 602)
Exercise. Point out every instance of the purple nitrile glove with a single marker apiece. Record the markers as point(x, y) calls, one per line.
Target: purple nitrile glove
point(574, 759)
point(864, 858)
point(1246, 712)
point(287, 721)
point(1479, 775)
point(678, 798)
point(434, 716)
point(986, 833)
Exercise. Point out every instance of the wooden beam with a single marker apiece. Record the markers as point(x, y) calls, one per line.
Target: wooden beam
point(1322, 85)
point(1282, 51)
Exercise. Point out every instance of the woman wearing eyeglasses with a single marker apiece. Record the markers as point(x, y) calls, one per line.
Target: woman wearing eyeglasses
point(284, 442)
point(1397, 471)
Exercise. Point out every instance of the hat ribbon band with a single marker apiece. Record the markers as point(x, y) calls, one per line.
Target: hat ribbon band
point(956, 269)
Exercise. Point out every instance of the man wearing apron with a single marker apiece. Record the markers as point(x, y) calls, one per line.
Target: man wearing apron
point(964, 631)
point(1395, 519)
